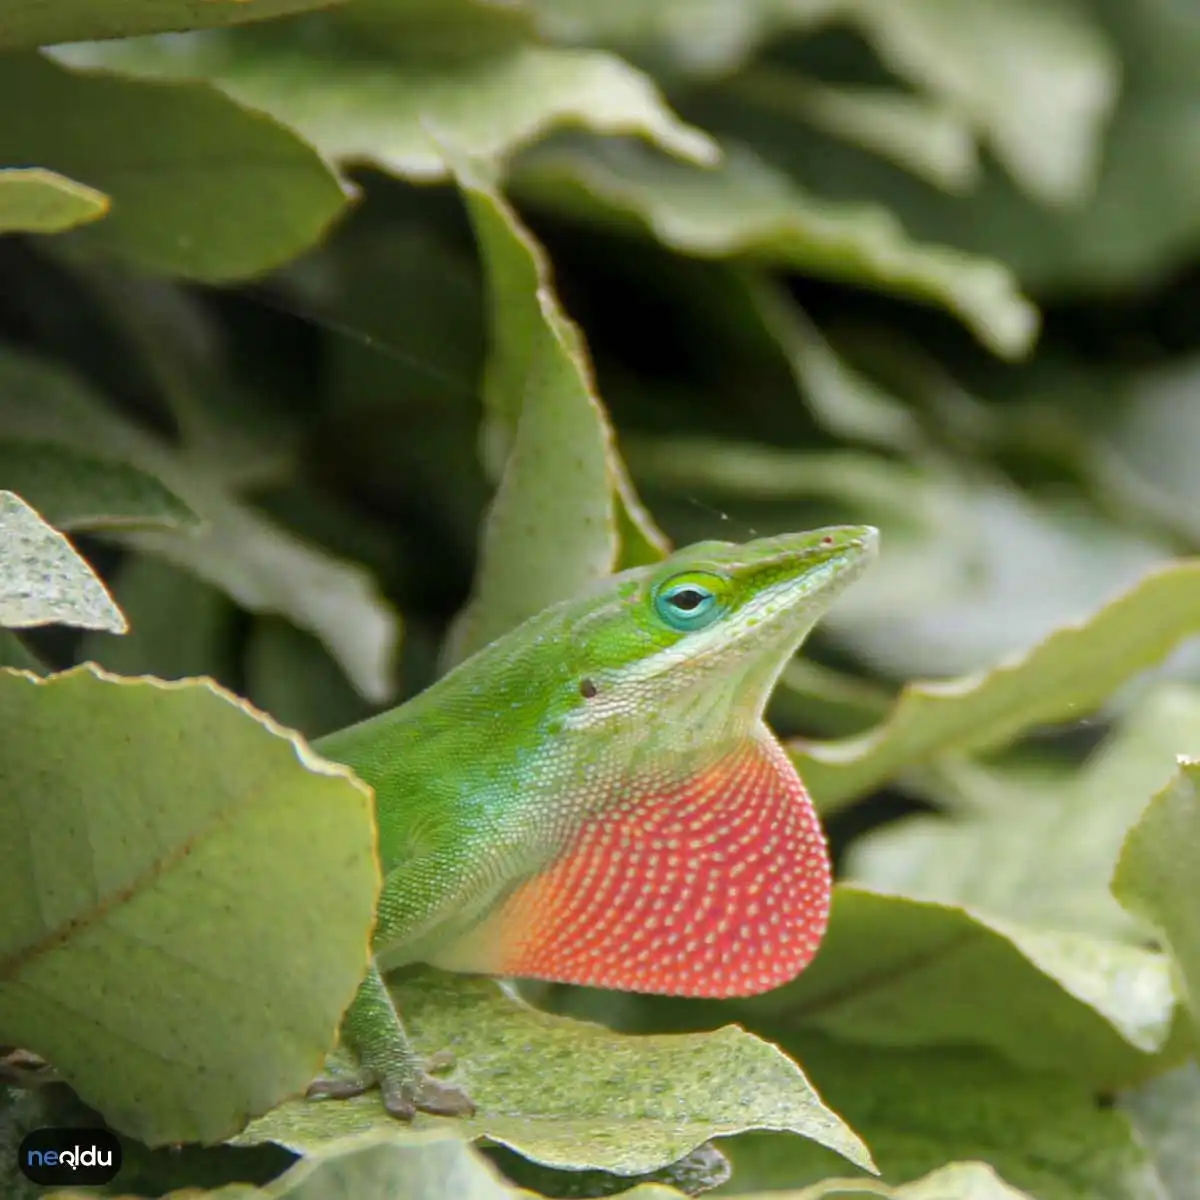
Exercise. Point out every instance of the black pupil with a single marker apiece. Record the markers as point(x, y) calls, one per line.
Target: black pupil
point(687, 599)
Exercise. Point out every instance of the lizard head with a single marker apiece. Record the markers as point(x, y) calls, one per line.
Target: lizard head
point(708, 631)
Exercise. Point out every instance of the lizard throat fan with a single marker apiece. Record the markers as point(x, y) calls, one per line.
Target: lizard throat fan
point(700, 868)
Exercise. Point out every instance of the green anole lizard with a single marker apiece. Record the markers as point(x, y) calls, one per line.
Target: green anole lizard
point(594, 798)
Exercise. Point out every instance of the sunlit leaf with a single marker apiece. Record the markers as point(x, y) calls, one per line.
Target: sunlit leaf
point(43, 581)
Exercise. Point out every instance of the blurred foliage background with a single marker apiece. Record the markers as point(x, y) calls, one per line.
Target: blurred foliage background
point(923, 264)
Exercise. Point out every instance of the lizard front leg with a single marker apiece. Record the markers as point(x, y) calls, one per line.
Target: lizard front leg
point(373, 1033)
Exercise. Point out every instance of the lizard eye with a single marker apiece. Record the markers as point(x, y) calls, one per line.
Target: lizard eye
point(687, 604)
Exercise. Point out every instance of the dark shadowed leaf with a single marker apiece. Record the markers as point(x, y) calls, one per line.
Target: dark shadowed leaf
point(200, 186)
point(79, 491)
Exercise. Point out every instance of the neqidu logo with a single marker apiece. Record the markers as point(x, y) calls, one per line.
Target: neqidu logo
point(70, 1156)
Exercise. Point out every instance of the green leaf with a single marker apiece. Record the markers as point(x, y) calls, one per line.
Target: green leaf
point(81, 20)
point(192, 910)
point(36, 201)
point(75, 490)
point(747, 209)
point(435, 1165)
point(1139, 449)
point(552, 529)
point(200, 187)
point(1156, 877)
point(1141, 216)
point(921, 1109)
point(845, 401)
point(364, 94)
point(1064, 677)
point(906, 973)
point(1166, 1113)
point(707, 37)
point(1039, 848)
point(575, 1095)
point(42, 579)
point(1037, 78)
point(258, 563)
point(931, 139)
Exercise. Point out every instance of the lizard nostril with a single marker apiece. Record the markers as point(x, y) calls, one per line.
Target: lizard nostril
point(587, 688)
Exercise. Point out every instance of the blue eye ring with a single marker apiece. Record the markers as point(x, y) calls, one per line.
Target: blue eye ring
point(688, 602)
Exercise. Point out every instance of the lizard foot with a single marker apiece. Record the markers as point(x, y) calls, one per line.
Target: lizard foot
point(405, 1097)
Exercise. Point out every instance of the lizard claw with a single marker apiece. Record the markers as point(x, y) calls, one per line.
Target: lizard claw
point(404, 1097)
point(425, 1094)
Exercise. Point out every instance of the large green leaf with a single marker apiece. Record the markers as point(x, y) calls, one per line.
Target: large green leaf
point(897, 972)
point(200, 186)
point(1035, 848)
point(745, 208)
point(1156, 875)
point(43, 581)
point(80, 20)
point(192, 908)
point(575, 1095)
point(33, 200)
point(921, 1109)
point(552, 528)
point(257, 562)
point(1066, 676)
point(383, 92)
